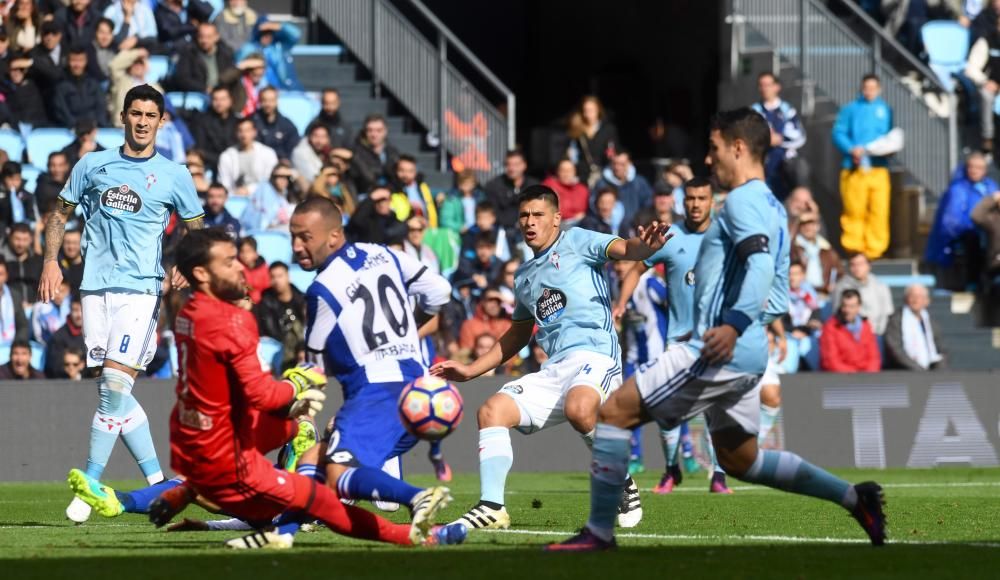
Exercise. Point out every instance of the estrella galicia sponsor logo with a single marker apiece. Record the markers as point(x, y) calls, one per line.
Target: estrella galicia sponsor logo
point(512, 389)
point(97, 353)
point(689, 278)
point(121, 199)
point(550, 304)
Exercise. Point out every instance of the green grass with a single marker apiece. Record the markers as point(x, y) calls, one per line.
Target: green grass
point(943, 523)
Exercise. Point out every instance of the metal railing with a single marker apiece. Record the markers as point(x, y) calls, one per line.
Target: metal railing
point(832, 58)
point(422, 76)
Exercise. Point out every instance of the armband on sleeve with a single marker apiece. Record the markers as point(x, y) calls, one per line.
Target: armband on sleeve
point(757, 243)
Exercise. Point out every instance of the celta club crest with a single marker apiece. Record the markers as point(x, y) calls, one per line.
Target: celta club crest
point(150, 180)
point(351, 253)
point(554, 259)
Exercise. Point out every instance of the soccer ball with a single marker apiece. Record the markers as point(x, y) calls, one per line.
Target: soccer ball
point(430, 408)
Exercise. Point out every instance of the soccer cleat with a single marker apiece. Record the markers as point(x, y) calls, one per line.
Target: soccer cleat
point(483, 517)
point(425, 508)
point(585, 541)
point(630, 508)
point(672, 477)
point(303, 441)
point(386, 506)
point(635, 466)
point(868, 511)
point(169, 504)
point(718, 484)
point(77, 511)
point(447, 535)
point(262, 540)
point(442, 471)
point(95, 494)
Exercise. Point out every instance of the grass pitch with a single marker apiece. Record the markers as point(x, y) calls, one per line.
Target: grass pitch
point(944, 523)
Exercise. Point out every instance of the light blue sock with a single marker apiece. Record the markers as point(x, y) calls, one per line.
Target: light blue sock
point(607, 478)
point(496, 456)
point(789, 472)
point(139, 441)
point(710, 449)
point(671, 441)
point(768, 416)
point(108, 420)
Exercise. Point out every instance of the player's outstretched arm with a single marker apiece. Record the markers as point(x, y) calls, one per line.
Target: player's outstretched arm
point(645, 244)
point(629, 283)
point(55, 228)
point(510, 343)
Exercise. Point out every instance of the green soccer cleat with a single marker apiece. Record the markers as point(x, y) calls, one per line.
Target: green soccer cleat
point(303, 441)
point(95, 494)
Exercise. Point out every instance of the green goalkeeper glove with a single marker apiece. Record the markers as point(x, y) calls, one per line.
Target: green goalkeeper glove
point(305, 377)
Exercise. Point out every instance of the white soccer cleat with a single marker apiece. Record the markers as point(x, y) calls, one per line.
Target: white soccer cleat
point(387, 506)
point(77, 511)
point(630, 509)
point(483, 517)
point(425, 508)
point(264, 540)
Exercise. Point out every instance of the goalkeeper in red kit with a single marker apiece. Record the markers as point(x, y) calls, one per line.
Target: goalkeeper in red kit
point(229, 412)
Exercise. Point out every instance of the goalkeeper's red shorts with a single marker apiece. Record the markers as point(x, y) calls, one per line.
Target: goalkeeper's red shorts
point(262, 492)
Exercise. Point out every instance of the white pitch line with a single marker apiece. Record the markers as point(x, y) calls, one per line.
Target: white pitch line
point(690, 489)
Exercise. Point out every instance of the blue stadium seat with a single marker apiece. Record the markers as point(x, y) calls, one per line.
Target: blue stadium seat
point(947, 46)
point(270, 352)
point(217, 6)
point(41, 142)
point(110, 138)
point(30, 173)
point(236, 205)
point(37, 355)
point(274, 246)
point(299, 107)
point(12, 143)
point(317, 50)
point(189, 101)
point(159, 68)
point(300, 278)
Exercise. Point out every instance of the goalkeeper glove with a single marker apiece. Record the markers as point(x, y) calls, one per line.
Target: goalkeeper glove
point(307, 403)
point(305, 377)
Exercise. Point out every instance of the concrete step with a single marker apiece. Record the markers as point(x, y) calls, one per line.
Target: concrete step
point(889, 267)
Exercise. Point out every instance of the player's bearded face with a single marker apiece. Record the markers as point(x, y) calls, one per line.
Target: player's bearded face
point(227, 281)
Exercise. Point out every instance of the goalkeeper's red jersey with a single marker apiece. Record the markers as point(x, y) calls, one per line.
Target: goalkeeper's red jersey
point(220, 388)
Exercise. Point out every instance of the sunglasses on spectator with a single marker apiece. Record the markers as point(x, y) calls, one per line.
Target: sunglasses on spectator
point(416, 229)
point(19, 69)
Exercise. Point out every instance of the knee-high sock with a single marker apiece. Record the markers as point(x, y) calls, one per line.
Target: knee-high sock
point(290, 522)
point(687, 447)
point(710, 449)
point(768, 416)
point(496, 456)
point(113, 389)
point(435, 451)
point(137, 501)
point(671, 440)
point(374, 484)
point(354, 522)
point(607, 478)
point(139, 441)
point(635, 443)
point(789, 472)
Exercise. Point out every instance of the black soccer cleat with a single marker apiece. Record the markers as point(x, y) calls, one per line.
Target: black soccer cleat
point(868, 511)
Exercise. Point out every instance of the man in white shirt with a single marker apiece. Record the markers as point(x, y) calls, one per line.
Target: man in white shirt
point(249, 162)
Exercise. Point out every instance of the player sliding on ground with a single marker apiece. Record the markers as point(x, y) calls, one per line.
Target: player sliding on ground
point(741, 284)
point(564, 291)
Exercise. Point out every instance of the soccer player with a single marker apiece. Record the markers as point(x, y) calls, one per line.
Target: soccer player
point(679, 258)
point(770, 385)
point(127, 195)
point(741, 284)
point(564, 291)
point(229, 412)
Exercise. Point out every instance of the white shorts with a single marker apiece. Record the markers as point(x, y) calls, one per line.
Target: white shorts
point(541, 396)
point(677, 386)
point(121, 327)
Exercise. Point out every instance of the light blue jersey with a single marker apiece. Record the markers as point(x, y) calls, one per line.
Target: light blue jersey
point(564, 290)
point(679, 255)
point(742, 273)
point(127, 203)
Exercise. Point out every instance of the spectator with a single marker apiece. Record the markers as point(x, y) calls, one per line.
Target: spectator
point(803, 301)
point(341, 158)
point(848, 344)
point(505, 284)
point(274, 129)
point(374, 221)
point(78, 96)
point(412, 197)
point(876, 305)
point(981, 68)
point(174, 137)
point(85, 142)
point(329, 116)
point(19, 367)
point(489, 319)
point(281, 314)
point(482, 345)
point(235, 23)
point(986, 215)
point(458, 207)
point(128, 69)
point(23, 96)
point(254, 268)
point(822, 264)
point(13, 324)
point(80, 21)
point(799, 202)
point(71, 262)
point(308, 155)
point(269, 207)
point(23, 24)
point(216, 214)
point(101, 51)
point(16, 204)
point(245, 82)
point(48, 59)
point(414, 243)
point(215, 129)
point(49, 317)
point(502, 190)
point(783, 167)
point(634, 192)
point(911, 337)
point(954, 246)
point(177, 21)
point(73, 364)
point(274, 41)
point(573, 195)
point(601, 219)
point(202, 64)
point(195, 161)
point(860, 133)
point(486, 221)
point(24, 266)
point(593, 140)
point(247, 163)
point(327, 184)
point(50, 184)
point(985, 22)
point(134, 24)
point(374, 157)
point(674, 176)
point(473, 275)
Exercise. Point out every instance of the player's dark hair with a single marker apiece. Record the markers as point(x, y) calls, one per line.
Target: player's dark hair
point(20, 228)
point(849, 293)
point(697, 182)
point(278, 264)
point(195, 249)
point(20, 343)
point(746, 125)
point(144, 93)
point(542, 192)
point(324, 207)
point(486, 206)
point(249, 241)
point(486, 239)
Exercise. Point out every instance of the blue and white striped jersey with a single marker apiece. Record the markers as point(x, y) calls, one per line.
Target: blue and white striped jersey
point(647, 337)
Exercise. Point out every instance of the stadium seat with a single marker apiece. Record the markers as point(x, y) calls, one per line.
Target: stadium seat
point(947, 46)
point(236, 205)
point(299, 107)
point(274, 246)
point(110, 138)
point(30, 173)
point(159, 68)
point(37, 355)
point(189, 101)
point(217, 6)
point(270, 352)
point(41, 142)
point(12, 143)
point(300, 278)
